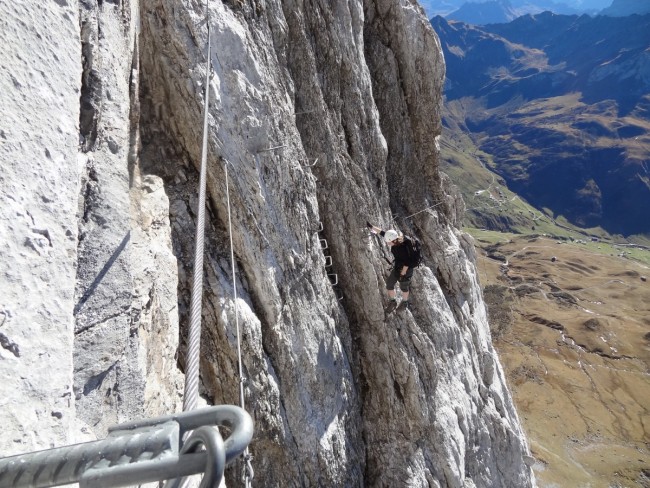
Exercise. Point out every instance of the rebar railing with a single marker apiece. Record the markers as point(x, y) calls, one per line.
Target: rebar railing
point(140, 452)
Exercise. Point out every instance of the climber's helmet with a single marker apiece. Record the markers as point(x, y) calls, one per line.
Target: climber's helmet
point(391, 235)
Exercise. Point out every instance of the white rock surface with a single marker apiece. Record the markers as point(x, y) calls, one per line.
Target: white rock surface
point(79, 358)
point(39, 114)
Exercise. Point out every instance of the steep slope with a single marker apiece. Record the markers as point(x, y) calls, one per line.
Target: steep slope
point(560, 105)
point(569, 319)
point(326, 114)
point(602, 58)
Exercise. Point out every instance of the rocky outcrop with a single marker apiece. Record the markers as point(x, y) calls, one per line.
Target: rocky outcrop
point(324, 116)
point(89, 298)
point(126, 318)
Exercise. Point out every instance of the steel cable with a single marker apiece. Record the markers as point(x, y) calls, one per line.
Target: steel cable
point(192, 359)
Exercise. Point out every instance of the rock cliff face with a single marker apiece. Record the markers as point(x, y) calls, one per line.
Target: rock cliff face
point(98, 215)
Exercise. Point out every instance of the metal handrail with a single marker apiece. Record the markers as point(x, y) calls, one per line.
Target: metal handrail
point(139, 452)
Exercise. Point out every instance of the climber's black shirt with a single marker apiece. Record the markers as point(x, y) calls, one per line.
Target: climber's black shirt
point(403, 253)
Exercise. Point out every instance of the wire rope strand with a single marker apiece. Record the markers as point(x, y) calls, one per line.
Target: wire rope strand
point(190, 397)
point(248, 468)
point(234, 291)
point(419, 212)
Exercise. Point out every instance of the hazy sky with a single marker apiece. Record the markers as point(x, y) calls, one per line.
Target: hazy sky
point(443, 7)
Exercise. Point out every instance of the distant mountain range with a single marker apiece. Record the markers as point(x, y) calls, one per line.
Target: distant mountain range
point(560, 105)
point(622, 8)
point(495, 11)
point(481, 12)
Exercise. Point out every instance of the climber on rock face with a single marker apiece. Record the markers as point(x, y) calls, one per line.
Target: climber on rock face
point(406, 252)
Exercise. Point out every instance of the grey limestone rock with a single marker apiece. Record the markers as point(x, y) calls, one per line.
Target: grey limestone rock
point(323, 115)
point(39, 110)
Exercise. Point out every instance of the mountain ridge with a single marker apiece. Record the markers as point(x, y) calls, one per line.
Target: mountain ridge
point(542, 105)
point(622, 8)
point(490, 12)
point(522, 7)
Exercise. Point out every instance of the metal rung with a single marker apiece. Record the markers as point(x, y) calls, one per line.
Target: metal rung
point(338, 293)
point(272, 148)
point(139, 452)
point(323, 243)
point(328, 261)
point(320, 227)
point(308, 164)
point(308, 111)
point(336, 279)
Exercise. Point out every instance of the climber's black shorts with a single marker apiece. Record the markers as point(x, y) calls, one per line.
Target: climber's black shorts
point(404, 281)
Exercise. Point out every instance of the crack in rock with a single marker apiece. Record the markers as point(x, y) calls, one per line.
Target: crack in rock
point(95, 382)
point(9, 345)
